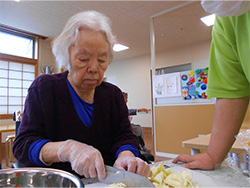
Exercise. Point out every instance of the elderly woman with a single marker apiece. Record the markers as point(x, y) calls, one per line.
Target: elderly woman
point(73, 120)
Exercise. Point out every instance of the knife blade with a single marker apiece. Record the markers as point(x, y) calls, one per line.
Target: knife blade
point(115, 175)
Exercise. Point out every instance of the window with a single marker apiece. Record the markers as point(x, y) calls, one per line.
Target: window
point(18, 69)
point(177, 68)
point(16, 45)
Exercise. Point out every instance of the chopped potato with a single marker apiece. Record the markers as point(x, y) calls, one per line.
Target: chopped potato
point(167, 178)
point(159, 177)
point(160, 185)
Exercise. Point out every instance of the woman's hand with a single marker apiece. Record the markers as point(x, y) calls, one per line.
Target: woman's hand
point(133, 164)
point(198, 161)
point(85, 160)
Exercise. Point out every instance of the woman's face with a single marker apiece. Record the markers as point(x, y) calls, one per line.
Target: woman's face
point(89, 58)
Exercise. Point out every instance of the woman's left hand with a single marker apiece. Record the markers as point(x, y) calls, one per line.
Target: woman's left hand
point(133, 164)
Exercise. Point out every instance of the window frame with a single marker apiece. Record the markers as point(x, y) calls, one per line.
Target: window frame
point(18, 59)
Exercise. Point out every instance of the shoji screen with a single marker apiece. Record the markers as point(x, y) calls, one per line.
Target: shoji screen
point(15, 79)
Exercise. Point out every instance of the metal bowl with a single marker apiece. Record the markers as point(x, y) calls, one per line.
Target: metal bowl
point(38, 177)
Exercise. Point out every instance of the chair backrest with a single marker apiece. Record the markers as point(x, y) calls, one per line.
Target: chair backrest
point(17, 126)
point(8, 150)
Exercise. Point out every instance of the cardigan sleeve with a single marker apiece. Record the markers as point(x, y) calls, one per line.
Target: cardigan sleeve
point(123, 131)
point(30, 129)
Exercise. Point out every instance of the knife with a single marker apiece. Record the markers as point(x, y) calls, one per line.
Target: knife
point(115, 175)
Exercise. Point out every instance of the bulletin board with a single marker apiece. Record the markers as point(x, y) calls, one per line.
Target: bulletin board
point(182, 88)
point(194, 84)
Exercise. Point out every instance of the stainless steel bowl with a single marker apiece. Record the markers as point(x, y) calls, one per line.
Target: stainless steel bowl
point(38, 177)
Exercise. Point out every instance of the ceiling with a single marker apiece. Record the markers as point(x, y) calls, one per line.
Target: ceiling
point(130, 21)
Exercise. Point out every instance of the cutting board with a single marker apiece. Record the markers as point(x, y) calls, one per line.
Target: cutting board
point(202, 179)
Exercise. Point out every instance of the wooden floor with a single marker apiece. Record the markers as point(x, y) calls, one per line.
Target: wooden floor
point(149, 142)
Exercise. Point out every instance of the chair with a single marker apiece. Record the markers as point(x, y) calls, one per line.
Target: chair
point(8, 150)
point(17, 118)
point(148, 157)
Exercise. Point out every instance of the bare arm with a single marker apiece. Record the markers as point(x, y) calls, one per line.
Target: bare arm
point(143, 110)
point(229, 115)
point(49, 152)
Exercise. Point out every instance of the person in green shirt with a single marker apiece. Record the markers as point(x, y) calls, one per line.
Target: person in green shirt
point(229, 80)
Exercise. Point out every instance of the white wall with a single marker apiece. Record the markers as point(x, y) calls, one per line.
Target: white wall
point(133, 76)
point(183, 55)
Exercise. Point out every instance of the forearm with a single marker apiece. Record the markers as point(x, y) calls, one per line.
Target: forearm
point(50, 152)
point(143, 110)
point(126, 153)
point(229, 115)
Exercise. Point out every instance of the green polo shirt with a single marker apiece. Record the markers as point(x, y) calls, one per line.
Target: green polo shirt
point(229, 64)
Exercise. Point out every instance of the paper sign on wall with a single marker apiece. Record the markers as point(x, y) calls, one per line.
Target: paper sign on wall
point(159, 87)
point(171, 84)
point(166, 85)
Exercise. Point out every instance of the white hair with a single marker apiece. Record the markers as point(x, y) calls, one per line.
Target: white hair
point(87, 19)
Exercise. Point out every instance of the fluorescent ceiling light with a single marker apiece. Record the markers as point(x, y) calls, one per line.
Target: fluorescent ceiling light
point(119, 47)
point(208, 20)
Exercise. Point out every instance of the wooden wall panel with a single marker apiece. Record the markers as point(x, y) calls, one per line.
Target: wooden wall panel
point(246, 122)
point(174, 124)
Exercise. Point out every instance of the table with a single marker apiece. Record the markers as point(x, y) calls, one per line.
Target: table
point(201, 143)
point(226, 174)
point(3, 129)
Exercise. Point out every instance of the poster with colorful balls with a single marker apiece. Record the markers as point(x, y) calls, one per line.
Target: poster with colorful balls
point(194, 84)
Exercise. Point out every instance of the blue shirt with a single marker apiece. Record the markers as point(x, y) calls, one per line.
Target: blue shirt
point(83, 109)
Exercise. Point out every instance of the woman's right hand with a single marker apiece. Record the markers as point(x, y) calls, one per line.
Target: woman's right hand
point(198, 161)
point(85, 160)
